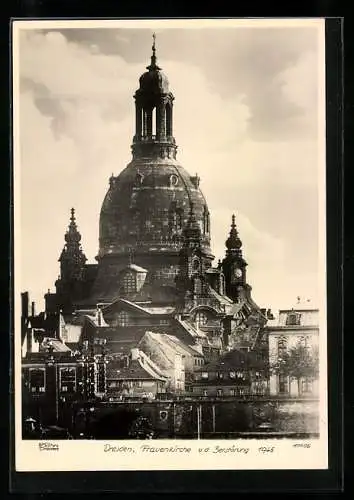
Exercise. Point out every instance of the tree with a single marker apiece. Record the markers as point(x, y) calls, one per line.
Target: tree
point(298, 362)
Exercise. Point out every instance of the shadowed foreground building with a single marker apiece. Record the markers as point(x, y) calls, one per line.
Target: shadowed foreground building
point(154, 287)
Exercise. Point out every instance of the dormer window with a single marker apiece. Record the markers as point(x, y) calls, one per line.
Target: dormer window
point(196, 265)
point(206, 221)
point(201, 319)
point(129, 282)
point(293, 319)
point(173, 180)
point(123, 318)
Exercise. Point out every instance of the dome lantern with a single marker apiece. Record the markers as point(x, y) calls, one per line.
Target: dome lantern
point(153, 114)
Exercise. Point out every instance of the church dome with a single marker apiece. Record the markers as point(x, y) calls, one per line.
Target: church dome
point(147, 207)
point(154, 81)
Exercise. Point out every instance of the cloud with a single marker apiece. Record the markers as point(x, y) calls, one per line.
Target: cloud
point(76, 126)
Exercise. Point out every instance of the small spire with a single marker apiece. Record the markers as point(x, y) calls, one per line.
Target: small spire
point(233, 242)
point(72, 225)
point(72, 239)
point(153, 64)
point(153, 43)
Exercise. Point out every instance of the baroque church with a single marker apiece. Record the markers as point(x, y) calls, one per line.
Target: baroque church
point(155, 271)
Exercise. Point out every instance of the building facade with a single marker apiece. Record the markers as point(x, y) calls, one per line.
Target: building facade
point(294, 351)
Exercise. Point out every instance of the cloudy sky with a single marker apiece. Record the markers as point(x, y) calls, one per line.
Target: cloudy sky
point(246, 120)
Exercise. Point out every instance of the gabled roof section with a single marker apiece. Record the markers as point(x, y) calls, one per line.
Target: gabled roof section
point(148, 309)
point(169, 341)
point(138, 369)
point(127, 305)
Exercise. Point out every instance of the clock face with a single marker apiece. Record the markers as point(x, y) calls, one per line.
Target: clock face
point(237, 273)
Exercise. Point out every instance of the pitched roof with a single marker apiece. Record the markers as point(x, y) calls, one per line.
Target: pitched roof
point(137, 370)
point(57, 345)
point(188, 348)
point(167, 342)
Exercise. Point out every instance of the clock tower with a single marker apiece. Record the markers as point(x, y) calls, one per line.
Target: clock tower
point(234, 265)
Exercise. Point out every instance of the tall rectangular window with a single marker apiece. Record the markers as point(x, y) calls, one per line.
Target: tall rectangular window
point(306, 386)
point(67, 377)
point(37, 380)
point(283, 384)
point(282, 346)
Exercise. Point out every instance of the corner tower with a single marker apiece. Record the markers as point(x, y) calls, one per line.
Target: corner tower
point(70, 285)
point(148, 204)
point(234, 266)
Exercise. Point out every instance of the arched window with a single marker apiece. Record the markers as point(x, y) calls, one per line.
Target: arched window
point(123, 318)
point(196, 265)
point(206, 221)
point(154, 122)
point(145, 122)
point(221, 284)
point(129, 282)
point(173, 180)
point(168, 119)
point(201, 319)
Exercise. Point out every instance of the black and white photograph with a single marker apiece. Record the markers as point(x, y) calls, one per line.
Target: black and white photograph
point(169, 241)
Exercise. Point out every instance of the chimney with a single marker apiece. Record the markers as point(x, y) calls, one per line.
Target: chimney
point(25, 305)
point(33, 309)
